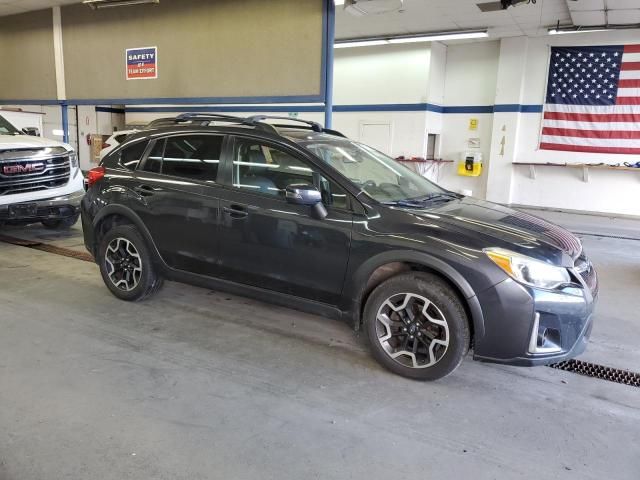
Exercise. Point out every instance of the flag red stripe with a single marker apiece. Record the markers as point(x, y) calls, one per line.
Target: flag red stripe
point(592, 117)
point(632, 49)
point(628, 101)
point(626, 66)
point(629, 83)
point(604, 134)
point(582, 148)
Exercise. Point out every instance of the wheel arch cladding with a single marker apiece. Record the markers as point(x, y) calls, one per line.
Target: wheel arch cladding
point(113, 215)
point(377, 269)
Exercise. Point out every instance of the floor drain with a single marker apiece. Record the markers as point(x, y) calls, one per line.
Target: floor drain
point(45, 247)
point(599, 371)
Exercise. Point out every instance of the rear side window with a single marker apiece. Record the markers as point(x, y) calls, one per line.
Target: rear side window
point(120, 138)
point(196, 157)
point(130, 155)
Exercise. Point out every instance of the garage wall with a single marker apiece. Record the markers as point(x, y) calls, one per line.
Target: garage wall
point(27, 69)
point(606, 191)
point(198, 43)
point(470, 90)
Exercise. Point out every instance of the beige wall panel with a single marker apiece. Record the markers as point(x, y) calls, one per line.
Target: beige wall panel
point(27, 68)
point(206, 48)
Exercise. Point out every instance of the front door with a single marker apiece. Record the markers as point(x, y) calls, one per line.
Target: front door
point(269, 243)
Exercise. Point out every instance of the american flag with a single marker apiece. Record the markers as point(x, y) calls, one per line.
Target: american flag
point(593, 100)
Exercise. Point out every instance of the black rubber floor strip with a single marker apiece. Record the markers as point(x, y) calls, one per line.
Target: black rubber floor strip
point(599, 371)
point(45, 247)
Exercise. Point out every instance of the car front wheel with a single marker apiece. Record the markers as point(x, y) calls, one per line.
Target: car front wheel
point(417, 326)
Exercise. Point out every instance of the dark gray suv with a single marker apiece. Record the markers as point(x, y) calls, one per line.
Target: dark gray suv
point(291, 213)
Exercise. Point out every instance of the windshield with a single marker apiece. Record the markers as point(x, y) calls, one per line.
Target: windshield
point(7, 129)
point(381, 177)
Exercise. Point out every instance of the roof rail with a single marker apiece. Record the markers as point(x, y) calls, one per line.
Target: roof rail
point(315, 126)
point(212, 117)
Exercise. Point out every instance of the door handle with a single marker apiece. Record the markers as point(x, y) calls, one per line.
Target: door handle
point(145, 190)
point(236, 211)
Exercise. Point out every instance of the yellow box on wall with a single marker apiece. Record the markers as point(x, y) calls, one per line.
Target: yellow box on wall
point(470, 165)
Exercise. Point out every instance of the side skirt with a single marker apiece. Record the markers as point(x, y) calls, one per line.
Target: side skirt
point(257, 293)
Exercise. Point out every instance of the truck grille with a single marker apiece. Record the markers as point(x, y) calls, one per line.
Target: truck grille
point(33, 169)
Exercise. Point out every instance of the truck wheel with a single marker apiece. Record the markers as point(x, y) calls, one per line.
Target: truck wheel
point(61, 223)
point(416, 326)
point(126, 265)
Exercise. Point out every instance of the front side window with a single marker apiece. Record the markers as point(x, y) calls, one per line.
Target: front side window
point(196, 157)
point(6, 128)
point(131, 154)
point(381, 177)
point(261, 168)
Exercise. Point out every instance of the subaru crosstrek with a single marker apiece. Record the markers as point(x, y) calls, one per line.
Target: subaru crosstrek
point(291, 213)
point(40, 180)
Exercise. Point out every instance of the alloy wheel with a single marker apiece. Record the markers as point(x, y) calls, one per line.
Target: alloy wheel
point(412, 330)
point(124, 265)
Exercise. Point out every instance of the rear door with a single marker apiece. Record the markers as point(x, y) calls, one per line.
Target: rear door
point(269, 243)
point(181, 216)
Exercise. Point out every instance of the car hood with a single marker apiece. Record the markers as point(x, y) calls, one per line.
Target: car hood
point(492, 225)
point(17, 142)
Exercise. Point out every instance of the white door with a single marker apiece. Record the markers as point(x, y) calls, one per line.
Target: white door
point(376, 135)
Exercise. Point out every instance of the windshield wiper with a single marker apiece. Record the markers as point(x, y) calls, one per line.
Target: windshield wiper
point(422, 202)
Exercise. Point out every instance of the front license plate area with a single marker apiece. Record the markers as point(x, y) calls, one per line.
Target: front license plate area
point(23, 210)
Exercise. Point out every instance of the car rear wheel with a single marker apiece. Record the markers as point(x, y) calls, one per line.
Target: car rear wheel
point(61, 223)
point(417, 326)
point(126, 265)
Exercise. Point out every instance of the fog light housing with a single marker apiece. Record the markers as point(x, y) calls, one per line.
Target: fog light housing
point(544, 340)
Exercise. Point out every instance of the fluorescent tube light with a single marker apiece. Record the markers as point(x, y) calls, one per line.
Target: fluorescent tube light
point(361, 43)
point(427, 37)
point(438, 37)
point(338, 2)
point(116, 3)
point(556, 31)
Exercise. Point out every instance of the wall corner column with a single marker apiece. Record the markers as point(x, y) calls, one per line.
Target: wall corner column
point(59, 66)
point(506, 118)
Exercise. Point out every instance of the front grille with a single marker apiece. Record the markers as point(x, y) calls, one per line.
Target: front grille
point(33, 170)
point(585, 269)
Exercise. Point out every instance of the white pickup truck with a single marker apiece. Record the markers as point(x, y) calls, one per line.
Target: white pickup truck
point(40, 180)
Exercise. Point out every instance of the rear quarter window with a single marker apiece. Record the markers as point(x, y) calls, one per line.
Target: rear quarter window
point(128, 157)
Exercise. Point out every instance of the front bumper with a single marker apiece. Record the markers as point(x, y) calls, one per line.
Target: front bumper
point(60, 206)
point(526, 326)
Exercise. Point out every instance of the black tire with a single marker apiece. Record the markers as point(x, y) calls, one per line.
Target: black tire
point(446, 309)
point(147, 282)
point(61, 223)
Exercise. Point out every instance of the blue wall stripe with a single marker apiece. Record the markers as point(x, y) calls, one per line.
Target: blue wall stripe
point(245, 106)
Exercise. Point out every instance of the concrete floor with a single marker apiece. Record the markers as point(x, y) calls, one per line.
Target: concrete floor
point(197, 384)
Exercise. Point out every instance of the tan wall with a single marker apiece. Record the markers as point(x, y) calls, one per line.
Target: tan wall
point(27, 68)
point(206, 48)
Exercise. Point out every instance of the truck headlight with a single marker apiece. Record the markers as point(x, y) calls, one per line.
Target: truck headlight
point(73, 159)
point(527, 270)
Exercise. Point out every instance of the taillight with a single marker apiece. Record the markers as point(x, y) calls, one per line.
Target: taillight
point(105, 145)
point(94, 175)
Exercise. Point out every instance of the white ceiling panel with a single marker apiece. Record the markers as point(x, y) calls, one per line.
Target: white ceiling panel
point(9, 7)
point(421, 16)
point(624, 17)
point(623, 4)
point(586, 5)
point(589, 17)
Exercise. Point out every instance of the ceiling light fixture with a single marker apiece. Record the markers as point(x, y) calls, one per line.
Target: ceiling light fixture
point(98, 4)
point(426, 37)
point(601, 28)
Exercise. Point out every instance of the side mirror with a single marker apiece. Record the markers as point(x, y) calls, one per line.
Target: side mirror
point(304, 194)
point(33, 131)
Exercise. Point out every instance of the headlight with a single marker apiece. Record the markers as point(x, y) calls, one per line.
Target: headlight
point(73, 159)
point(528, 270)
